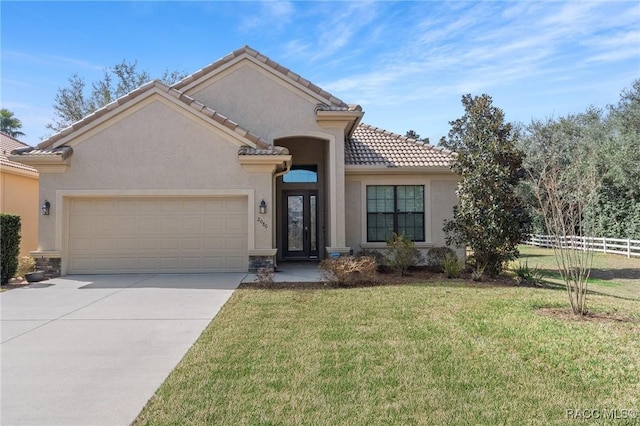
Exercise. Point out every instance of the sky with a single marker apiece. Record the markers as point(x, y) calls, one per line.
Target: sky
point(407, 64)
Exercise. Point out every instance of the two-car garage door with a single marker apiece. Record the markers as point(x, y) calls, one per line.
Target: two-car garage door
point(157, 235)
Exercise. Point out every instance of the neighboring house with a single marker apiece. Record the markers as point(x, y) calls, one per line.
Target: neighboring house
point(19, 193)
point(236, 167)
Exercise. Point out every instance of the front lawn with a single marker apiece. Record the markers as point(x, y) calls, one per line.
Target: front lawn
point(611, 274)
point(432, 353)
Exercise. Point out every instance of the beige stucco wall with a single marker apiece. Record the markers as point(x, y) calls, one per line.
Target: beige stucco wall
point(19, 196)
point(440, 198)
point(264, 103)
point(156, 148)
point(259, 101)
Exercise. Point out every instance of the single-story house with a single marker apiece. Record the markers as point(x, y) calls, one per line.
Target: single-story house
point(234, 168)
point(19, 193)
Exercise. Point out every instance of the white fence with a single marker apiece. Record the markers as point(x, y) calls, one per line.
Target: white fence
point(626, 247)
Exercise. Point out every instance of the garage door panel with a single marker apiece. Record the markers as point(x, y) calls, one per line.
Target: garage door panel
point(157, 235)
point(192, 243)
point(235, 243)
point(235, 206)
point(78, 244)
point(235, 224)
point(234, 261)
point(170, 243)
point(212, 243)
point(126, 224)
point(170, 225)
point(192, 224)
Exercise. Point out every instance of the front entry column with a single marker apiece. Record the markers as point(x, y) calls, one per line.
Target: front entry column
point(337, 237)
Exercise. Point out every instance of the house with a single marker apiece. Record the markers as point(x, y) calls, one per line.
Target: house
point(19, 193)
point(236, 167)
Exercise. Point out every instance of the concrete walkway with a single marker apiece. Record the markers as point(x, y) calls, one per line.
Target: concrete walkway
point(91, 350)
point(296, 272)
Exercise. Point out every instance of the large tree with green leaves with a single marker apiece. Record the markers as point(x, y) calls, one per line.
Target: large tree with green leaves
point(616, 212)
point(610, 141)
point(9, 124)
point(489, 218)
point(74, 102)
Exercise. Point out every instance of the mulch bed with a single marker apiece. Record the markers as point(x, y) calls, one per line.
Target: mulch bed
point(566, 314)
point(387, 278)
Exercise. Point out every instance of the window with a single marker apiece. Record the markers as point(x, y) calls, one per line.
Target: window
point(302, 174)
point(395, 209)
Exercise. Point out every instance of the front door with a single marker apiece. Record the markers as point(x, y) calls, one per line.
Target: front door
point(300, 224)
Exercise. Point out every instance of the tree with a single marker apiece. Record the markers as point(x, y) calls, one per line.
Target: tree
point(565, 180)
point(72, 103)
point(489, 217)
point(10, 125)
point(412, 134)
point(616, 212)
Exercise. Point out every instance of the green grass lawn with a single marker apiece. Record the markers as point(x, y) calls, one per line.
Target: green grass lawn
point(435, 353)
point(611, 274)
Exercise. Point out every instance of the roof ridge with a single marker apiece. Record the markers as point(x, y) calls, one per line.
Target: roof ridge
point(246, 49)
point(175, 93)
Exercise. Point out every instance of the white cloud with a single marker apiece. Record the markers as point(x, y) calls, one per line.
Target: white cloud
point(268, 14)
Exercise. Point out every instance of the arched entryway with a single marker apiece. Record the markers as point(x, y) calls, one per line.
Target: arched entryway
point(301, 194)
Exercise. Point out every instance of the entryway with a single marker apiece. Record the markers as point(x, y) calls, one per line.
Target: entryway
point(300, 224)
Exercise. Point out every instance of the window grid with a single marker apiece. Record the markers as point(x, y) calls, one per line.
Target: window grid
point(395, 208)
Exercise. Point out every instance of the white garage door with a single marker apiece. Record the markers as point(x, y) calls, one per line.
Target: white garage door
point(156, 235)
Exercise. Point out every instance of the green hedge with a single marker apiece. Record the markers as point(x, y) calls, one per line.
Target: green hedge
point(9, 246)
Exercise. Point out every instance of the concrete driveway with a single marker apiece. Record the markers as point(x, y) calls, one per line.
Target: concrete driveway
point(92, 349)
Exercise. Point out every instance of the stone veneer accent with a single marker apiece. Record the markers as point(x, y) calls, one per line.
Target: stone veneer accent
point(51, 266)
point(256, 263)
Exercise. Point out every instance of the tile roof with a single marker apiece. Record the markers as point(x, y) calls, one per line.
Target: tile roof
point(350, 107)
point(246, 50)
point(8, 144)
point(272, 150)
point(371, 146)
point(63, 152)
point(189, 101)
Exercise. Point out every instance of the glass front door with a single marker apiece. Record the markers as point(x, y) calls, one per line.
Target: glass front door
point(300, 224)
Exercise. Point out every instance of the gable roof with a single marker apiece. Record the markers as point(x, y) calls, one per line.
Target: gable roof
point(371, 146)
point(144, 89)
point(286, 73)
point(8, 144)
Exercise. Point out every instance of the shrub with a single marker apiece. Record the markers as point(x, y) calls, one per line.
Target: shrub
point(402, 253)
point(26, 264)
point(376, 255)
point(437, 256)
point(527, 275)
point(349, 270)
point(9, 246)
point(452, 267)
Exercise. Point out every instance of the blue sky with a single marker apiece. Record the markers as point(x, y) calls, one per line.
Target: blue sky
point(406, 63)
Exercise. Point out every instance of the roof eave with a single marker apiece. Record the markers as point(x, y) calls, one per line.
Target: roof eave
point(349, 120)
point(354, 169)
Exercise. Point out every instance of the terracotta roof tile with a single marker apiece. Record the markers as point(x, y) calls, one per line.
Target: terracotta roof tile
point(8, 144)
point(272, 150)
point(246, 50)
point(371, 146)
point(63, 152)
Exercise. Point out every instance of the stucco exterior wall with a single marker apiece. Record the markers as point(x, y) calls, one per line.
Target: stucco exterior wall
point(443, 198)
point(19, 196)
point(440, 198)
point(258, 101)
point(156, 147)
